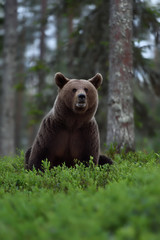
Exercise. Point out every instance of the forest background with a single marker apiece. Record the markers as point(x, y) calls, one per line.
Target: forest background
point(72, 36)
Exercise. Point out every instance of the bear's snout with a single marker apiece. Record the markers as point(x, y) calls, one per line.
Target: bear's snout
point(81, 97)
point(81, 100)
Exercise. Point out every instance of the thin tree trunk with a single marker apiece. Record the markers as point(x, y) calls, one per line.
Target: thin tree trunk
point(19, 111)
point(42, 44)
point(9, 76)
point(120, 120)
point(70, 40)
point(41, 72)
point(59, 54)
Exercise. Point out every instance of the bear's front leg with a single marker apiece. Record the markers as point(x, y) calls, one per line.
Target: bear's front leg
point(35, 156)
point(38, 151)
point(26, 158)
point(92, 141)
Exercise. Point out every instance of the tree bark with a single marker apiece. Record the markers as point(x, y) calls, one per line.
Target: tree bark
point(8, 81)
point(120, 119)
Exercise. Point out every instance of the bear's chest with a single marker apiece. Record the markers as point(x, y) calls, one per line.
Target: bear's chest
point(68, 145)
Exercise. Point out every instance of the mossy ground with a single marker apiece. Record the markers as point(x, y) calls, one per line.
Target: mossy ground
point(121, 201)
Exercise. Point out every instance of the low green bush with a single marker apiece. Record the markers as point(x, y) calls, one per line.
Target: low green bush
point(121, 201)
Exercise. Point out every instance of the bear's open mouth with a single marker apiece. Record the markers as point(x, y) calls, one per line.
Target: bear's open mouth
point(81, 105)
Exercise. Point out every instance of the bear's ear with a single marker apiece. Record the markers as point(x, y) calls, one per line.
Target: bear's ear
point(60, 79)
point(96, 80)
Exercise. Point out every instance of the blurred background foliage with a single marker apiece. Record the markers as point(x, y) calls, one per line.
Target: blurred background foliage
point(72, 37)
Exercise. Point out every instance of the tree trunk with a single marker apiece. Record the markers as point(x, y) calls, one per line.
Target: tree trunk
point(41, 69)
point(59, 54)
point(20, 96)
point(42, 45)
point(120, 119)
point(9, 76)
point(70, 40)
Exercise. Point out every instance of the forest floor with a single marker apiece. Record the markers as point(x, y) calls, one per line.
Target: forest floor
point(121, 201)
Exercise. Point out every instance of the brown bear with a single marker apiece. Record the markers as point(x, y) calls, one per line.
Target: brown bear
point(69, 131)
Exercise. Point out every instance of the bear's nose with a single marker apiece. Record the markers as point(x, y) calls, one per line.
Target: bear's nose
point(81, 97)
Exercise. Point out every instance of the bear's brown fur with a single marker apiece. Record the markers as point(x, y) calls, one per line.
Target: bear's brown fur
point(69, 131)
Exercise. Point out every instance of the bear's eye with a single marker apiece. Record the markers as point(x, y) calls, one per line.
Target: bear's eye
point(74, 90)
point(86, 90)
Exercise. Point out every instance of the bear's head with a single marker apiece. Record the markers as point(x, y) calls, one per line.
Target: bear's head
point(81, 95)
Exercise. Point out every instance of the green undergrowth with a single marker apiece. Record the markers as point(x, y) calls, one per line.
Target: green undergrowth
point(121, 201)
